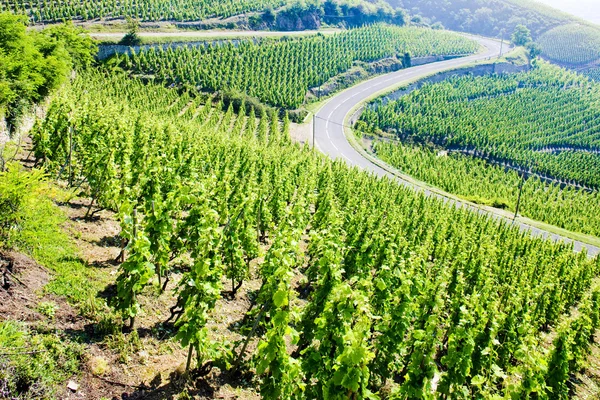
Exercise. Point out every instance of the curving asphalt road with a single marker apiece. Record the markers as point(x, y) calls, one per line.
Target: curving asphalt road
point(331, 139)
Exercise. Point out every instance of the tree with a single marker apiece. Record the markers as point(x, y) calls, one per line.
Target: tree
point(32, 63)
point(521, 35)
point(407, 60)
point(332, 9)
point(132, 38)
point(269, 16)
point(533, 49)
point(76, 41)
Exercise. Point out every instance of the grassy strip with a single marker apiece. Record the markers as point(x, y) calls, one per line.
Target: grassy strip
point(152, 38)
point(38, 357)
point(43, 237)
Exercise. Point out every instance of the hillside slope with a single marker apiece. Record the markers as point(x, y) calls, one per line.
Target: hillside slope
point(487, 17)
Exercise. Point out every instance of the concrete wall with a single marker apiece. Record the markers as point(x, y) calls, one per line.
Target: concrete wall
point(108, 50)
point(4, 136)
point(416, 61)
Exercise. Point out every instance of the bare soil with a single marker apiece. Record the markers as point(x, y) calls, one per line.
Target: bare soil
point(154, 368)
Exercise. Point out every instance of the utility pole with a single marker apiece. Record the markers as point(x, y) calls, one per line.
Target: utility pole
point(501, 44)
point(314, 130)
point(519, 198)
point(520, 193)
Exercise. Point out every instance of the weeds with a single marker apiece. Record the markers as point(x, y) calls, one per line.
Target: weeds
point(31, 364)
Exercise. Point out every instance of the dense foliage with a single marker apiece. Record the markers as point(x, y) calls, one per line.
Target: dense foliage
point(281, 72)
point(300, 14)
point(34, 63)
point(486, 183)
point(546, 119)
point(488, 18)
point(401, 292)
point(571, 44)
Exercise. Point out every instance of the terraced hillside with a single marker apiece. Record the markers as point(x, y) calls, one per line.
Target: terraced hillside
point(281, 72)
point(573, 45)
point(235, 185)
point(277, 14)
point(156, 242)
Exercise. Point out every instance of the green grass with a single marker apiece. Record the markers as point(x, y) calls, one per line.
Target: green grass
point(32, 364)
point(36, 359)
point(42, 236)
point(148, 38)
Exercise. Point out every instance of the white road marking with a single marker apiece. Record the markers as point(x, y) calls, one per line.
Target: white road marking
point(402, 77)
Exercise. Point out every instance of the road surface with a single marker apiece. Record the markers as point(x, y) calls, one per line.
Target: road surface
point(331, 139)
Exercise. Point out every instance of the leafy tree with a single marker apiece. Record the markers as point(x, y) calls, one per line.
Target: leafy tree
point(132, 38)
point(32, 64)
point(332, 9)
point(521, 36)
point(77, 42)
point(534, 50)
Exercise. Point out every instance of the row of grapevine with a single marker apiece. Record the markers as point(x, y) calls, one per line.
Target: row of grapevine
point(146, 10)
point(547, 119)
point(403, 293)
point(592, 73)
point(571, 44)
point(490, 184)
point(281, 72)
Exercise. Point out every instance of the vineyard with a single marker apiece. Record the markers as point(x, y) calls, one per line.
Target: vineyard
point(281, 72)
point(546, 120)
point(571, 44)
point(145, 10)
point(479, 181)
point(366, 287)
point(592, 73)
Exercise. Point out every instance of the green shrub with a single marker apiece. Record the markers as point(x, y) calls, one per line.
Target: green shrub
point(17, 189)
point(33, 365)
point(32, 63)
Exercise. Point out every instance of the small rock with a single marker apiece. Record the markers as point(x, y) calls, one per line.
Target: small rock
point(73, 386)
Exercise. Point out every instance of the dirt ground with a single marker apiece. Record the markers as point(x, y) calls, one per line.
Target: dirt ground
point(154, 367)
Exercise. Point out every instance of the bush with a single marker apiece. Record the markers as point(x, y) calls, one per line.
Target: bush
point(17, 189)
point(132, 38)
point(34, 364)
